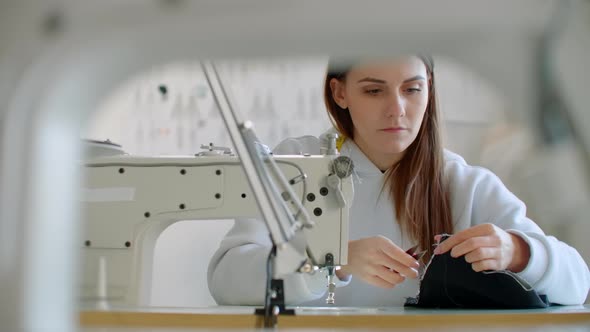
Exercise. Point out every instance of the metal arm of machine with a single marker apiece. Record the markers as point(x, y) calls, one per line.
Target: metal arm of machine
point(283, 225)
point(272, 210)
point(289, 249)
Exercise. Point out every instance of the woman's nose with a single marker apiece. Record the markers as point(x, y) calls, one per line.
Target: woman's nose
point(395, 107)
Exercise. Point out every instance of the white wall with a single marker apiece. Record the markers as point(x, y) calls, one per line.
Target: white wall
point(284, 98)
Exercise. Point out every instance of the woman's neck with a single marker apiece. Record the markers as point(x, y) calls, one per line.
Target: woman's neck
point(383, 161)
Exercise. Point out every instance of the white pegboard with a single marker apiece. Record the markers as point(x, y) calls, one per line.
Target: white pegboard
point(281, 98)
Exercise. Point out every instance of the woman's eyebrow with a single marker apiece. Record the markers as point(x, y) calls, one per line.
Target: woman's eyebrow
point(376, 80)
point(372, 80)
point(415, 78)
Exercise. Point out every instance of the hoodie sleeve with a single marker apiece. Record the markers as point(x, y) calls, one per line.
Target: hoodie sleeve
point(237, 271)
point(554, 269)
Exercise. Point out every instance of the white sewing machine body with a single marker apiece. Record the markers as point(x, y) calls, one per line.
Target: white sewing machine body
point(129, 201)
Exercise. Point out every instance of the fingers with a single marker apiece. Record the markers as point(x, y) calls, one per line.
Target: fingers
point(474, 243)
point(483, 259)
point(379, 262)
point(383, 277)
point(392, 264)
point(486, 264)
point(399, 256)
point(475, 231)
point(481, 254)
point(481, 245)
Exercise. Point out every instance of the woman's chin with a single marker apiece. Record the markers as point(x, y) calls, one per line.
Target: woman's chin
point(393, 148)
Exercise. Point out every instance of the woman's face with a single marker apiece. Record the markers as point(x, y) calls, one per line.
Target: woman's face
point(387, 101)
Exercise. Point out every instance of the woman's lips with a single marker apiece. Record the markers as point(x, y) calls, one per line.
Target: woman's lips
point(394, 129)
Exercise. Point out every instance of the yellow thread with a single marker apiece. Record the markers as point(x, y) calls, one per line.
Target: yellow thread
point(340, 141)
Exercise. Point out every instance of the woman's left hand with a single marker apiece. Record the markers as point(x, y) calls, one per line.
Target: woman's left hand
point(487, 247)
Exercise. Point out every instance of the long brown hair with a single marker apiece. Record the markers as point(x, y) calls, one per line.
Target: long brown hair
point(416, 183)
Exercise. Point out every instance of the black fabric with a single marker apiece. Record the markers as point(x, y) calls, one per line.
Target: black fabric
point(451, 283)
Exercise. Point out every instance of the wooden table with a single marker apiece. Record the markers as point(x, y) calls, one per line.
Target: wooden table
point(562, 318)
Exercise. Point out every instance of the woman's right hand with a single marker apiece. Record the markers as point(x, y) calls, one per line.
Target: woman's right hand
point(379, 262)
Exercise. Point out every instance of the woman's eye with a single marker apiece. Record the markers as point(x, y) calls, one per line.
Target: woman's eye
point(413, 90)
point(373, 91)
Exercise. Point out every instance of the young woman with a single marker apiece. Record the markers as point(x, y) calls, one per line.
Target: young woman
point(408, 190)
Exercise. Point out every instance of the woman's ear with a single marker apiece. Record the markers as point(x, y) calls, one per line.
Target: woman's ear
point(338, 93)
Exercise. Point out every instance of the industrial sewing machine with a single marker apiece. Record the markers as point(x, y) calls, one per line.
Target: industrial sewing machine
point(129, 201)
point(138, 197)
